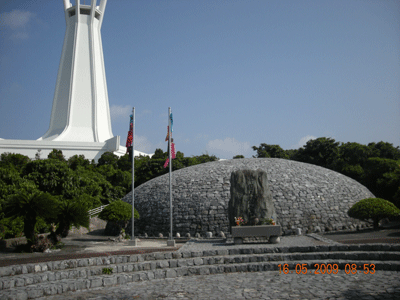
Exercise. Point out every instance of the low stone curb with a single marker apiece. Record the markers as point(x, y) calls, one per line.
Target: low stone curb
point(37, 280)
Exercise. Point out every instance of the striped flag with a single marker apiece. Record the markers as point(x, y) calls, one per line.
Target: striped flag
point(173, 152)
point(130, 135)
point(173, 155)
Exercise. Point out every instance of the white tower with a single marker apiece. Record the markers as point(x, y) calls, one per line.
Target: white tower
point(80, 107)
point(80, 118)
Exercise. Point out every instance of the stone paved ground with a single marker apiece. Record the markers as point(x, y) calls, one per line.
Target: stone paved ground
point(258, 285)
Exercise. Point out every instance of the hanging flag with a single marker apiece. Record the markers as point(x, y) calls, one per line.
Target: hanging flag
point(129, 139)
point(173, 150)
point(167, 138)
point(172, 121)
point(173, 155)
point(166, 163)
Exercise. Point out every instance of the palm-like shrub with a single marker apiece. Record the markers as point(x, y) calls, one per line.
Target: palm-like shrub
point(72, 213)
point(118, 212)
point(30, 206)
point(374, 209)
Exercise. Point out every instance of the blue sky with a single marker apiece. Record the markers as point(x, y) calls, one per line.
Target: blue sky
point(235, 73)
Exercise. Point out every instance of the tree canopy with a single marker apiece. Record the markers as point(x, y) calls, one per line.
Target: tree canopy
point(76, 184)
point(376, 165)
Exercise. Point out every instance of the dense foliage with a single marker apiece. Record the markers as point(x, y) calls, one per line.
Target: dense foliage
point(119, 213)
point(374, 209)
point(76, 185)
point(376, 165)
point(29, 206)
point(72, 213)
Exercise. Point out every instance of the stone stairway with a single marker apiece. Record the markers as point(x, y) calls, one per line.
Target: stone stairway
point(38, 280)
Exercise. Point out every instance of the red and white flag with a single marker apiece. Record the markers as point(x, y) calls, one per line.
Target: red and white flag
point(173, 152)
point(130, 135)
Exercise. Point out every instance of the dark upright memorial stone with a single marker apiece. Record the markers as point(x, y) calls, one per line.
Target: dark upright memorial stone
point(250, 197)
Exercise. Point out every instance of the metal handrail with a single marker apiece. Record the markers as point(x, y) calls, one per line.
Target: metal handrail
point(96, 210)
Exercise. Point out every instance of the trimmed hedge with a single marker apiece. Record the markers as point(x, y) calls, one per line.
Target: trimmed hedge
point(118, 211)
point(373, 208)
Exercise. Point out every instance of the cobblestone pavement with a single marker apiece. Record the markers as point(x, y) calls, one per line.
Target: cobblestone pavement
point(257, 285)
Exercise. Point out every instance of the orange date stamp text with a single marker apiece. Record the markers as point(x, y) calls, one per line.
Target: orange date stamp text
point(320, 269)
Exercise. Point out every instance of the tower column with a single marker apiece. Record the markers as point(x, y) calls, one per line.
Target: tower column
point(80, 110)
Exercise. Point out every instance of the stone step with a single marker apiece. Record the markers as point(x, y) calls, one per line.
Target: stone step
point(125, 266)
point(116, 259)
point(38, 290)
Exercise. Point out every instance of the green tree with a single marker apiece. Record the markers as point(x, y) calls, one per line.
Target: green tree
point(159, 154)
point(122, 179)
point(94, 184)
point(116, 177)
point(11, 183)
point(321, 152)
point(238, 156)
point(118, 212)
point(50, 175)
point(30, 206)
point(378, 172)
point(147, 168)
point(78, 160)
point(352, 159)
point(108, 158)
point(374, 209)
point(56, 154)
point(389, 186)
point(274, 151)
point(384, 150)
point(291, 153)
point(18, 161)
point(125, 163)
point(354, 153)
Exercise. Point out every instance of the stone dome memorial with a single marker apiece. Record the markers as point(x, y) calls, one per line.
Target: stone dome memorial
point(305, 196)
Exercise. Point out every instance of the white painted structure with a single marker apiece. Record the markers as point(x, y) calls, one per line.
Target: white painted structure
point(80, 118)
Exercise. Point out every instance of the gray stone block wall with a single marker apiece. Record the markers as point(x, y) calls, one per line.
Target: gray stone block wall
point(305, 196)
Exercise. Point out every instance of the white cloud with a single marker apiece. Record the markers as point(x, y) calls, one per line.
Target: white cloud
point(303, 141)
point(228, 148)
point(16, 19)
point(119, 112)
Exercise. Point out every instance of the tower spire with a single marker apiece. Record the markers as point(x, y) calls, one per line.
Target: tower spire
point(80, 110)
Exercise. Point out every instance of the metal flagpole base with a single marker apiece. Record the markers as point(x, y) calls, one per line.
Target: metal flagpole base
point(171, 243)
point(133, 242)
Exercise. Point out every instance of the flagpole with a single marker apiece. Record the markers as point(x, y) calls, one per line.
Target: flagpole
point(133, 240)
point(171, 241)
